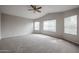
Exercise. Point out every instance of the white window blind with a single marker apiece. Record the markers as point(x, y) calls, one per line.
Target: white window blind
point(70, 25)
point(49, 25)
point(37, 25)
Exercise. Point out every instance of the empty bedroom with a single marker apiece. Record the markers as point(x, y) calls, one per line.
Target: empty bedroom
point(39, 28)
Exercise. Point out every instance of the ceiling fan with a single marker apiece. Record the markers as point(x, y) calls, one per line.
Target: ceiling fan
point(35, 8)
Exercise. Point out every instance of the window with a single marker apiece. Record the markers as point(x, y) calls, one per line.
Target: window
point(37, 25)
point(70, 24)
point(49, 25)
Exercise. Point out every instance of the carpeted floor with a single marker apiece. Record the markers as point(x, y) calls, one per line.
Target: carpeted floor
point(37, 43)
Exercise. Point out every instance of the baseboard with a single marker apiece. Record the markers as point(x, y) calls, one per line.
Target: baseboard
point(75, 43)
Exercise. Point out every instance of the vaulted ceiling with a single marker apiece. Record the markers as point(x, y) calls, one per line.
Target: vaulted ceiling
point(22, 10)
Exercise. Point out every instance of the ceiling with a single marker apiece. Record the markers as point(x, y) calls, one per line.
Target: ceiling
point(22, 10)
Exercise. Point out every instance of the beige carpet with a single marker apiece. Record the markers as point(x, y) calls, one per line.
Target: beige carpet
point(36, 43)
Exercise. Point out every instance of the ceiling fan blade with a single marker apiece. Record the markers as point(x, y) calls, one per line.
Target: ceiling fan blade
point(33, 6)
point(38, 10)
point(39, 7)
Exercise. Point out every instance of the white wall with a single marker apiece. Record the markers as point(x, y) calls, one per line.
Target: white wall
point(0, 25)
point(12, 26)
point(59, 28)
point(60, 25)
